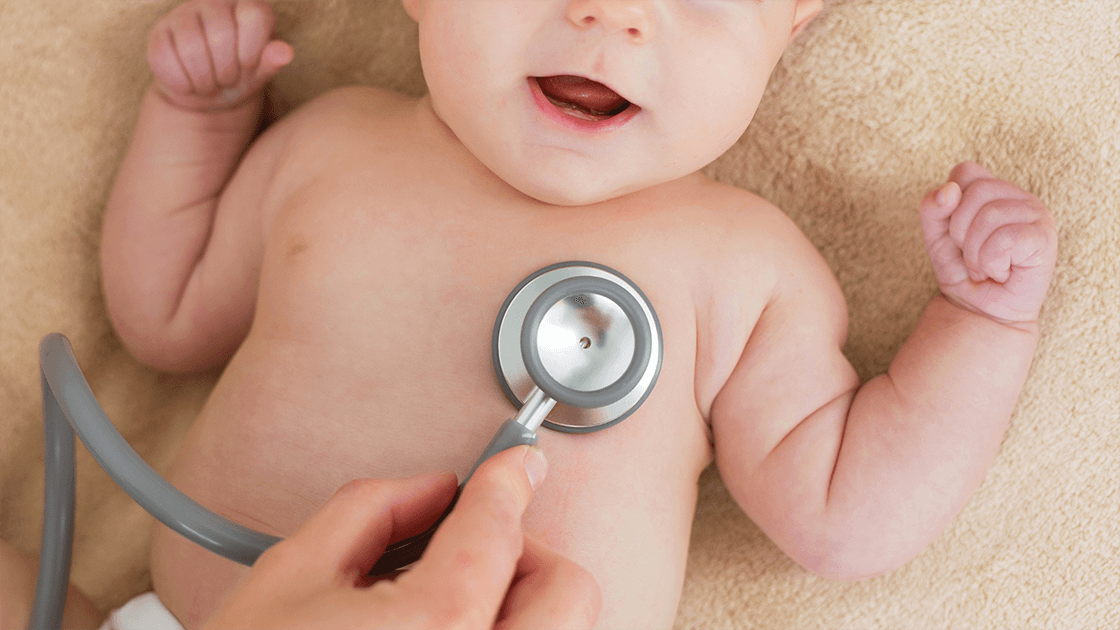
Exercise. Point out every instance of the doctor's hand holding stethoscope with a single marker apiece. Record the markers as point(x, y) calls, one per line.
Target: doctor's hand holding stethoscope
point(479, 571)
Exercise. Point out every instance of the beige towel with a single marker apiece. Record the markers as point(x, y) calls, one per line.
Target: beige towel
point(867, 111)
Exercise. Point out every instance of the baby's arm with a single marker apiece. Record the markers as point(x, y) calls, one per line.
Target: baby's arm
point(181, 242)
point(854, 481)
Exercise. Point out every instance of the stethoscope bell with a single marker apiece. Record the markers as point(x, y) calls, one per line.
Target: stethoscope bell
point(583, 335)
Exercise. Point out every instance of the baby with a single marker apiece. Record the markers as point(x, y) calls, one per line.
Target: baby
point(349, 263)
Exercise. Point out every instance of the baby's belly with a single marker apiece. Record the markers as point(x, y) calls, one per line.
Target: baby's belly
point(295, 416)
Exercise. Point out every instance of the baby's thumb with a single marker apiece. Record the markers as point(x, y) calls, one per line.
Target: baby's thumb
point(274, 57)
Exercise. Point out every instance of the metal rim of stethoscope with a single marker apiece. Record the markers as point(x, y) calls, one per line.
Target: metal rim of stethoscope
point(613, 310)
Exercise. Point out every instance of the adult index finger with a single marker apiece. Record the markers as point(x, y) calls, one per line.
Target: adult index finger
point(467, 568)
point(347, 535)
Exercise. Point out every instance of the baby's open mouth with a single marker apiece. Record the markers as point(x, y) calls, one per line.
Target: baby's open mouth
point(582, 98)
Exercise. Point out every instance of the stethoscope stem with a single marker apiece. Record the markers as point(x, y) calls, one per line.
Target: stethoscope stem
point(535, 410)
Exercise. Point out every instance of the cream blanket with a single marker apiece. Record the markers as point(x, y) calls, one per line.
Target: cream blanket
point(867, 111)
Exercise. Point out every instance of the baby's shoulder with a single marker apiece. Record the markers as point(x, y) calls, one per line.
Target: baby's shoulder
point(747, 229)
point(341, 127)
point(754, 259)
point(345, 114)
point(762, 255)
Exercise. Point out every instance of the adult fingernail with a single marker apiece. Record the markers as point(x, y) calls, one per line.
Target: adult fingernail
point(535, 466)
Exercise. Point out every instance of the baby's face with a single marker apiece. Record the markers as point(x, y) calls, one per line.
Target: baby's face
point(684, 79)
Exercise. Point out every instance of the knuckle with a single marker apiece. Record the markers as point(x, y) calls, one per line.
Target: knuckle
point(505, 505)
point(448, 610)
point(254, 11)
point(502, 512)
point(1004, 239)
point(967, 169)
point(990, 216)
point(944, 252)
point(988, 188)
point(211, 6)
point(158, 44)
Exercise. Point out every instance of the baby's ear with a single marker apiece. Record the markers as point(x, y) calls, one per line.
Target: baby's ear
point(804, 13)
point(411, 7)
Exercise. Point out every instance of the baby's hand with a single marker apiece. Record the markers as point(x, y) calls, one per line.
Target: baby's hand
point(215, 54)
point(993, 246)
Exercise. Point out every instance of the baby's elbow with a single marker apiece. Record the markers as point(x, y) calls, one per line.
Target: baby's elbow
point(167, 349)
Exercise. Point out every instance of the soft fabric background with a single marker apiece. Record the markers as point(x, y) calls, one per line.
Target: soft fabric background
point(867, 111)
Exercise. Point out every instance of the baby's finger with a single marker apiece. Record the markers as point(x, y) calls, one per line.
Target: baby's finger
point(164, 61)
point(349, 533)
point(255, 21)
point(221, 37)
point(936, 208)
point(948, 263)
point(190, 42)
point(470, 561)
point(979, 194)
point(967, 173)
point(274, 57)
point(1011, 246)
point(983, 231)
point(549, 591)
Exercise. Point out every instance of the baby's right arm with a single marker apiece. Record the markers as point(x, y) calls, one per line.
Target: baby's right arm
point(181, 243)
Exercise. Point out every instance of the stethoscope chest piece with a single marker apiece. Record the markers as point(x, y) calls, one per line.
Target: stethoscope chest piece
point(586, 336)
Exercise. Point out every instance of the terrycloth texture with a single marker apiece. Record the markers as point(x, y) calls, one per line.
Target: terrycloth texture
point(867, 111)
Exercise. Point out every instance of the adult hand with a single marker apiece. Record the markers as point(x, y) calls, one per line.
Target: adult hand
point(479, 570)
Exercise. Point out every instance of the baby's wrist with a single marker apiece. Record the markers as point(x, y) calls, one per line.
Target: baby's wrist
point(225, 101)
point(1027, 324)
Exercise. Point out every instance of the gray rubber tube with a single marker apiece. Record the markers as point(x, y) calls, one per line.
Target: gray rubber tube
point(58, 517)
point(69, 407)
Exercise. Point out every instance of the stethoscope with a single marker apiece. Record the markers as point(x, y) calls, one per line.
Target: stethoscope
point(576, 346)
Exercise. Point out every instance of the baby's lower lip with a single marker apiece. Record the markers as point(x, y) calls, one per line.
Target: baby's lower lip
point(572, 122)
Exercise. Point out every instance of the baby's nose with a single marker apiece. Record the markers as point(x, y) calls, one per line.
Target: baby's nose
point(631, 16)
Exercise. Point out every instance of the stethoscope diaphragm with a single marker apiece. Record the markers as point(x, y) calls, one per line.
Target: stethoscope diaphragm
point(585, 336)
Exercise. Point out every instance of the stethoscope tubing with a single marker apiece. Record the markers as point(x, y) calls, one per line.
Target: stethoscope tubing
point(70, 408)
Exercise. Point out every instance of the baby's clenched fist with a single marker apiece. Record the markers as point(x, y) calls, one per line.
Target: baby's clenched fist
point(215, 54)
point(993, 245)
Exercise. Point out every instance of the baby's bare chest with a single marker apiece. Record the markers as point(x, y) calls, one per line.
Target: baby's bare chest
point(375, 297)
point(406, 273)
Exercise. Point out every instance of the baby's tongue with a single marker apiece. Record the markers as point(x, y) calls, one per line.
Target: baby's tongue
point(585, 93)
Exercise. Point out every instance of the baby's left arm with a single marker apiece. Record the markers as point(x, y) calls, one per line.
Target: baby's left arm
point(852, 481)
